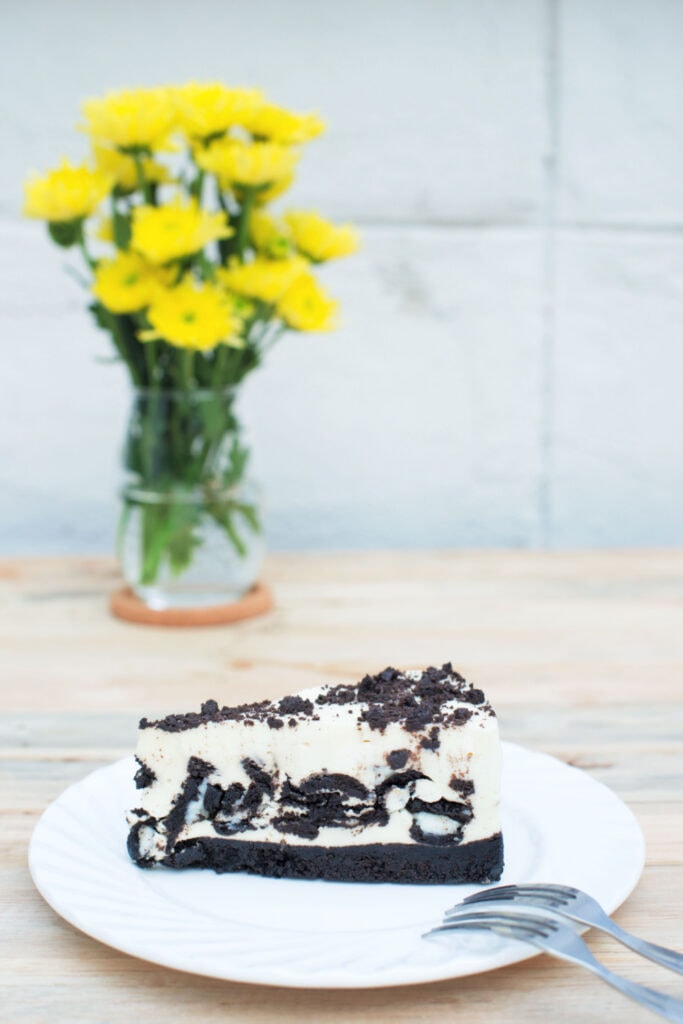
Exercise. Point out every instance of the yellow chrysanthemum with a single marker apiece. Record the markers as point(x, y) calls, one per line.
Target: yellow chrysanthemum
point(66, 193)
point(131, 118)
point(206, 109)
point(194, 316)
point(274, 191)
point(307, 307)
point(125, 283)
point(267, 280)
point(284, 126)
point(164, 233)
point(270, 235)
point(104, 230)
point(121, 168)
point(247, 164)
point(317, 238)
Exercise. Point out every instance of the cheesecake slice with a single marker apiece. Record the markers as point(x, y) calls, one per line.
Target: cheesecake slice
point(393, 779)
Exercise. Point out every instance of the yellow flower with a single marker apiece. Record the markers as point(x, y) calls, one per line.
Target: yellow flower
point(317, 238)
point(267, 280)
point(193, 316)
point(132, 118)
point(125, 283)
point(121, 168)
point(66, 193)
point(247, 164)
point(280, 125)
point(274, 191)
point(270, 235)
point(211, 108)
point(307, 307)
point(164, 233)
point(104, 230)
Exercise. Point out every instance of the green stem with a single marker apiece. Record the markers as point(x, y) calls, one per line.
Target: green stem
point(120, 226)
point(120, 345)
point(142, 180)
point(219, 367)
point(150, 361)
point(198, 185)
point(188, 367)
point(221, 199)
point(84, 249)
point(243, 223)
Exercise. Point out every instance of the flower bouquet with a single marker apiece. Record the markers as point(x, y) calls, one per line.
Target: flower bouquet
point(194, 281)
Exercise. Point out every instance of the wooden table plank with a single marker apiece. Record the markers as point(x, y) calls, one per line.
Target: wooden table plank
point(582, 654)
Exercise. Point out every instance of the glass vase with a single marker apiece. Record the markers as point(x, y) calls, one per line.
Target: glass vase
point(190, 533)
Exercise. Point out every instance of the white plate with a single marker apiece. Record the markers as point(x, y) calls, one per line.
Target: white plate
point(559, 825)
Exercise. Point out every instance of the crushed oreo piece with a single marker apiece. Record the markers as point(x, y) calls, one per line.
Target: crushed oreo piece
point(144, 776)
point(398, 758)
point(198, 769)
point(432, 742)
point(213, 796)
point(331, 781)
point(463, 786)
point(424, 700)
point(444, 808)
point(420, 836)
point(295, 706)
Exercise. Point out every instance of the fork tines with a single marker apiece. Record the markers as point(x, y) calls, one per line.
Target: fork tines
point(524, 926)
point(560, 894)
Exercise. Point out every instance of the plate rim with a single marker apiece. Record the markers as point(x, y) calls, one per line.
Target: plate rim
point(325, 979)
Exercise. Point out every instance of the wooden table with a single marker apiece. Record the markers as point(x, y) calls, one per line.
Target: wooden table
point(582, 654)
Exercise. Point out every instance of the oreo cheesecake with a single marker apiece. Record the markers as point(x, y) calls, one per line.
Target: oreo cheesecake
point(393, 779)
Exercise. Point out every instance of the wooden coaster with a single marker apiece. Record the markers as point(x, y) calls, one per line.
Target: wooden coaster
point(124, 604)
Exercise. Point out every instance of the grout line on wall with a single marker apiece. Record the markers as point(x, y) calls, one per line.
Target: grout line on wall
point(531, 224)
point(549, 278)
point(619, 227)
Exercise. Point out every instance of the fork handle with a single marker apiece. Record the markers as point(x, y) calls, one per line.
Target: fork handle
point(659, 954)
point(666, 1006)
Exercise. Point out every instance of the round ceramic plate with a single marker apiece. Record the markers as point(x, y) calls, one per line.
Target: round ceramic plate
point(559, 825)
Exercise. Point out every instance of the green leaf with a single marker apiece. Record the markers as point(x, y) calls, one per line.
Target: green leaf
point(65, 232)
point(169, 533)
point(122, 230)
point(251, 515)
point(222, 515)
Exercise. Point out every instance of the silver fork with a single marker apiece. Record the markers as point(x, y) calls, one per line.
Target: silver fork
point(560, 940)
point(577, 906)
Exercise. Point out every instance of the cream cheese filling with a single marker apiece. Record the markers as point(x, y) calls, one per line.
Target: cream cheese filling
point(336, 743)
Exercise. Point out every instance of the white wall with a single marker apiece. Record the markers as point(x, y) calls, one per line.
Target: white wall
point(510, 366)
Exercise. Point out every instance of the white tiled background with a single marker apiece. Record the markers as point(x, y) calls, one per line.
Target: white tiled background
point(511, 364)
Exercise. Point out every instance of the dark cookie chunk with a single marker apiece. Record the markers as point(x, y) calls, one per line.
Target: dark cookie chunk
point(420, 836)
point(332, 781)
point(213, 796)
point(258, 776)
point(432, 742)
point(144, 776)
point(444, 808)
point(398, 758)
point(295, 706)
point(463, 786)
point(296, 826)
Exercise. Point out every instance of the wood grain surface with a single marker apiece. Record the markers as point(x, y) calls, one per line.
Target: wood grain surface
point(582, 655)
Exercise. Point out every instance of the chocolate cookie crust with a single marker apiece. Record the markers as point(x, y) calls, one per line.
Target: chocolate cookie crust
point(479, 862)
